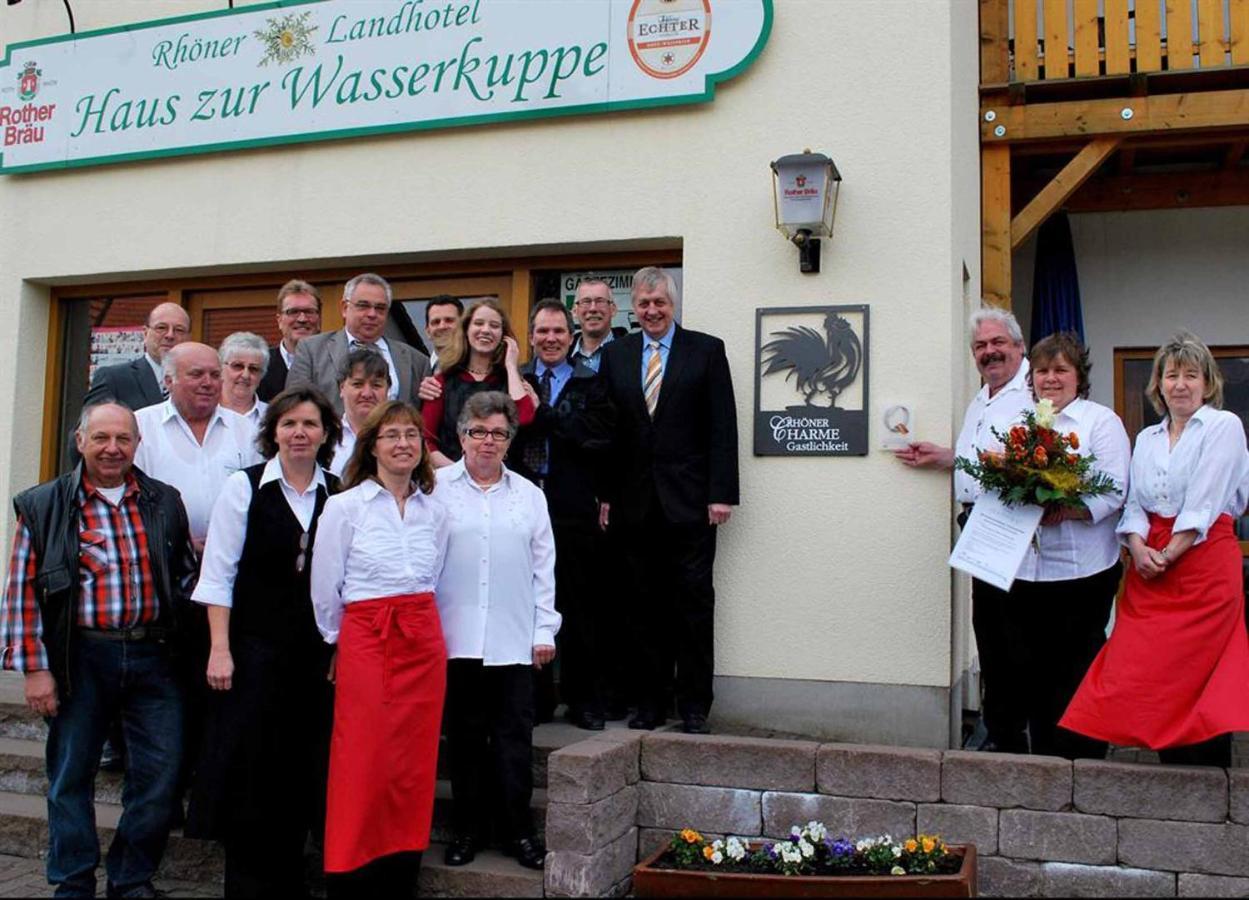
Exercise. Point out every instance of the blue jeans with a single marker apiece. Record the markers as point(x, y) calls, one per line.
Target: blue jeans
point(134, 680)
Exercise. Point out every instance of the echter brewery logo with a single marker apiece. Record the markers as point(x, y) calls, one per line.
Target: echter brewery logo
point(667, 37)
point(819, 365)
point(28, 82)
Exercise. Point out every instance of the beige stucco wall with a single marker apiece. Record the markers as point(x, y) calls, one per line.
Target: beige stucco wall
point(832, 569)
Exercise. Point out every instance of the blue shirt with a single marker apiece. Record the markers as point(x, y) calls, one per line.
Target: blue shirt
point(591, 360)
point(665, 347)
point(559, 377)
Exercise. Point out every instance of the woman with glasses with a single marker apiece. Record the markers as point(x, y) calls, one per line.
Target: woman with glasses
point(244, 362)
point(379, 550)
point(496, 596)
point(261, 777)
point(482, 355)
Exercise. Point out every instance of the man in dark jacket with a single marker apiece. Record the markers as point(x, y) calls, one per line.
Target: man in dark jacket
point(564, 451)
point(140, 382)
point(299, 316)
point(101, 566)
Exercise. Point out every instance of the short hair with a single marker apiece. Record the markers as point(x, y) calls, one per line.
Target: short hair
point(297, 286)
point(169, 365)
point(1185, 349)
point(456, 354)
point(1066, 344)
point(443, 300)
point(84, 418)
point(650, 277)
point(1003, 317)
point(372, 362)
point(485, 404)
point(267, 434)
point(368, 278)
point(363, 463)
point(595, 278)
point(245, 342)
point(552, 304)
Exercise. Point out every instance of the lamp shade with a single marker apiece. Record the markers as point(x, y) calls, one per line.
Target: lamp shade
point(805, 185)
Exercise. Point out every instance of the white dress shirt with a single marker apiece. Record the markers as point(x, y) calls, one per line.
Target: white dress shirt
point(227, 532)
point(342, 453)
point(383, 348)
point(256, 413)
point(985, 413)
point(364, 550)
point(1203, 476)
point(287, 355)
point(1074, 548)
point(496, 593)
point(169, 452)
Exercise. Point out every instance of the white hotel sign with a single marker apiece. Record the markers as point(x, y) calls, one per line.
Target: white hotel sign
point(301, 71)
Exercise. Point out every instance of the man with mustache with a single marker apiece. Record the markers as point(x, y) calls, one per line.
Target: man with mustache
point(998, 348)
point(299, 316)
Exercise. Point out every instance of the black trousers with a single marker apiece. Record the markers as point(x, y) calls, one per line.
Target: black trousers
point(1215, 752)
point(673, 611)
point(390, 876)
point(269, 865)
point(489, 726)
point(579, 601)
point(1036, 643)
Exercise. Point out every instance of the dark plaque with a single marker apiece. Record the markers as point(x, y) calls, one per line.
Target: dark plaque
point(811, 381)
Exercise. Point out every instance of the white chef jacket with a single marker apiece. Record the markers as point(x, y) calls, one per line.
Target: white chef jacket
point(342, 453)
point(985, 413)
point(496, 593)
point(1077, 549)
point(169, 452)
point(227, 531)
point(1205, 475)
point(364, 550)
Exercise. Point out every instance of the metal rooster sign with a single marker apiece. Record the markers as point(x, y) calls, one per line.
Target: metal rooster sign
point(819, 365)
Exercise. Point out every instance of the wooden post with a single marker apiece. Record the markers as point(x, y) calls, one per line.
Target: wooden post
point(1118, 62)
point(995, 249)
point(1055, 39)
point(1179, 34)
point(1087, 62)
point(1149, 35)
point(1065, 183)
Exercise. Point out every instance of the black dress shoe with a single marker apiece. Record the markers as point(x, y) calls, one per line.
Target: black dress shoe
point(460, 852)
point(529, 852)
point(695, 723)
point(586, 720)
point(645, 720)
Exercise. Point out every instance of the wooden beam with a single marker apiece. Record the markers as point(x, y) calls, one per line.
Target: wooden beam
point(1136, 115)
point(1065, 183)
point(994, 49)
point(1127, 157)
point(1173, 190)
point(1234, 154)
point(995, 249)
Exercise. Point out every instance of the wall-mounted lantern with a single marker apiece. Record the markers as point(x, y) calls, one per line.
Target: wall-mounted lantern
point(804, 191)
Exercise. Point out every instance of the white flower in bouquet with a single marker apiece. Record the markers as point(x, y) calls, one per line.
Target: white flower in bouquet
point(1045, 414)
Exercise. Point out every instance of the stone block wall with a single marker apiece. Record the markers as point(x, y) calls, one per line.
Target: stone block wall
point(1043, 827)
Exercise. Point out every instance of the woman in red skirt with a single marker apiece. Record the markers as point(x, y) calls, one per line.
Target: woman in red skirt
point(1174, 676)
point(379, 550)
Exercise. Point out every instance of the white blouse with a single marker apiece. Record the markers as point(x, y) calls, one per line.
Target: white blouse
point(227, 530)
point(364, 550)
point(1203, 476)
point(497, 589)
point(1077, 549)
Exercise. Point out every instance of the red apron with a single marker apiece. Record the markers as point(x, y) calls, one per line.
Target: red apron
point(391, 678)
point(1176, 668)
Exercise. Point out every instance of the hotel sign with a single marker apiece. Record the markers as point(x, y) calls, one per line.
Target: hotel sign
point(289, 72)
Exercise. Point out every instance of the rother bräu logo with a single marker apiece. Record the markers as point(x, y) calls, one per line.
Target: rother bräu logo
point(28, 82)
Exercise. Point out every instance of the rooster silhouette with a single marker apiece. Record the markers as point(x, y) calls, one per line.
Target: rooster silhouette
point(819, 366)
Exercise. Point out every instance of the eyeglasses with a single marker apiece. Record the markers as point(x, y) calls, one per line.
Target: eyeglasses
point(164, 328)
point(411, 435)
point(295, 313)
point(594, 301)
point(302, 558)
point(363, 306)
point(499, 435)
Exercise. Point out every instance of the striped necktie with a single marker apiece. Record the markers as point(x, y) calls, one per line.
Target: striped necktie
point(654, 378)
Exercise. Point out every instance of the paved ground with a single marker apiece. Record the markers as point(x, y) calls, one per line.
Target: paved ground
point(21, 877)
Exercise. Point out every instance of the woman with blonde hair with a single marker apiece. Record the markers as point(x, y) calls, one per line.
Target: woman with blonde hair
point(379, 551)
point(1174, 675)
point(483, 355)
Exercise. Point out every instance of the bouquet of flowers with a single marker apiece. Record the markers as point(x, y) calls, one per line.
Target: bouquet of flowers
point(811, 850)
point(1038, 464)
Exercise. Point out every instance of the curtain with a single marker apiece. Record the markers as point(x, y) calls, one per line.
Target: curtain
point(1055, 285)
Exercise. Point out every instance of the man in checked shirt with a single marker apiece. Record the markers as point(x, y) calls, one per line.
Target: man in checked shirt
point(102, 561)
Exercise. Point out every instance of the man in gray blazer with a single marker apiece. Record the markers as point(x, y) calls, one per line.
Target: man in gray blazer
point(366, 306)
point(137, 383)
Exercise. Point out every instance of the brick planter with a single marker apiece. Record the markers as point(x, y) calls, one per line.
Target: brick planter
point(649, 881)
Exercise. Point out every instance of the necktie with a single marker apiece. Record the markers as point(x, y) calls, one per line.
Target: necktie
point(654, 378)
point(537, 452)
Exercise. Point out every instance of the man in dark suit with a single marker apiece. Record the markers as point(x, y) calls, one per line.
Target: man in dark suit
point(564, 451)
point(366, 307)
point(674, 481)
point(137, 383)
point(299, 316)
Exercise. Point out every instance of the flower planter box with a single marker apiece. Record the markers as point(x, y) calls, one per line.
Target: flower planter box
point(649, 881)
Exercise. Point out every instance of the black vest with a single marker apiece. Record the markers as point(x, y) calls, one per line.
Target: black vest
point(271, 599)
point(455, 393)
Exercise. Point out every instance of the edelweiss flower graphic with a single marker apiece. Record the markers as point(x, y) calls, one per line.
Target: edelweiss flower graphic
point(286, 38)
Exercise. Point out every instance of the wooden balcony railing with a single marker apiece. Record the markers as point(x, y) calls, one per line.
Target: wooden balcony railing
point(1035, 40)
